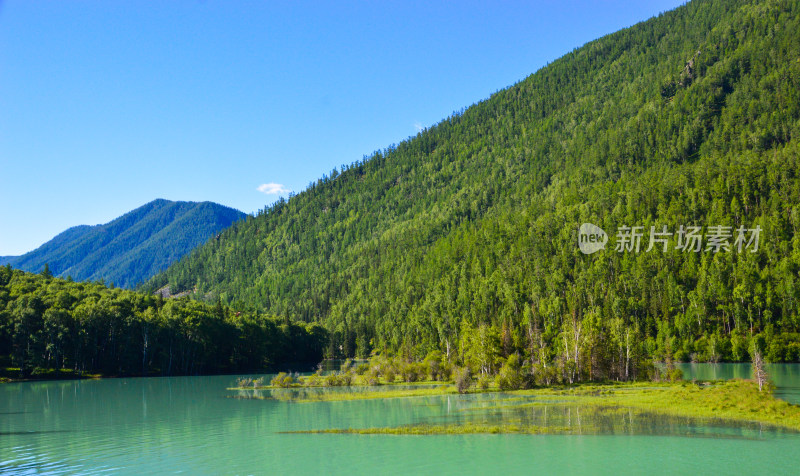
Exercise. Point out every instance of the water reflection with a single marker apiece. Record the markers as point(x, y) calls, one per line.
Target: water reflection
point(191, 425)
point(551, 413)
point(612, 420)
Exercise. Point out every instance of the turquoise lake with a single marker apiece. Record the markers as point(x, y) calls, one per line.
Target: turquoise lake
point(191, 425)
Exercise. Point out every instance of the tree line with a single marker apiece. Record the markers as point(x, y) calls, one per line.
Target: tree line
point(52, 323)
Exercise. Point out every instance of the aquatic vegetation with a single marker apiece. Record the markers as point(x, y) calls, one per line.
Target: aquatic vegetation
point(306, 395)
point(281, 380)
point(736, 401)
point(453, 429)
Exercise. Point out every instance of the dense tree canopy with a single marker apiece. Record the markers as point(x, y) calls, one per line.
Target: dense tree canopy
point(47, 322)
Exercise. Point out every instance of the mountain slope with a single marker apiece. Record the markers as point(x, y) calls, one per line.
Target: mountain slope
point(53, 248)
point(690, 118)
point(133, 247)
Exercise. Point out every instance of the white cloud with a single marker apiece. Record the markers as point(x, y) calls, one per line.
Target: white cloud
point(418, 126)
point(273, 188)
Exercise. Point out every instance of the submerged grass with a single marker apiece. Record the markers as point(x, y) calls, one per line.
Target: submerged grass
point(307, 395)
point(14, 374)
point(359, 383)
point(732, 401)
point(735, 400)
point(453, 429)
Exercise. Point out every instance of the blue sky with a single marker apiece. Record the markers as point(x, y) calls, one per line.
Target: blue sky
point(105, 106)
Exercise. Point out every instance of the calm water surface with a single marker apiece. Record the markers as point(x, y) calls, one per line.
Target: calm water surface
point(786, 377)
point(191, 425)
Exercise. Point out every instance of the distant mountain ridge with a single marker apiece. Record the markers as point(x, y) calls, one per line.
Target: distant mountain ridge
point(132, 248)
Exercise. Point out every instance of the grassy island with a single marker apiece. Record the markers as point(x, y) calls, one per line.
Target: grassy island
point(733, 402)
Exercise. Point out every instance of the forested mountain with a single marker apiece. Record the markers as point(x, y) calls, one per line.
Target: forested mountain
point(464, 238)
point(132, 248)
point(54, 247)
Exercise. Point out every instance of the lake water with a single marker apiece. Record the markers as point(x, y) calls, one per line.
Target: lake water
point(191, 425)
point(786, 377)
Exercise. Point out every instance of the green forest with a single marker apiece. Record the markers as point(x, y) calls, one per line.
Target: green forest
point(463, 239)
point(51, 323)
point(460, 245)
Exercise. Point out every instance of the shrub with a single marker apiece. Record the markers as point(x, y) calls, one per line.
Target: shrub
point(510, 376)
point(446, 371)
point(372, 377)
point(681, 355)
point(462, 379)
point(361, 369)
point(793, 352)
point(282, 380)
point(433, 362)
point(412, 372)
point(339, 379)
point(389, 374)
point(332, 380)
point(776, 350)
point(675, 375)
point(646, 370)
point(545, 374)
point(316, 379)
point(738, 347)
